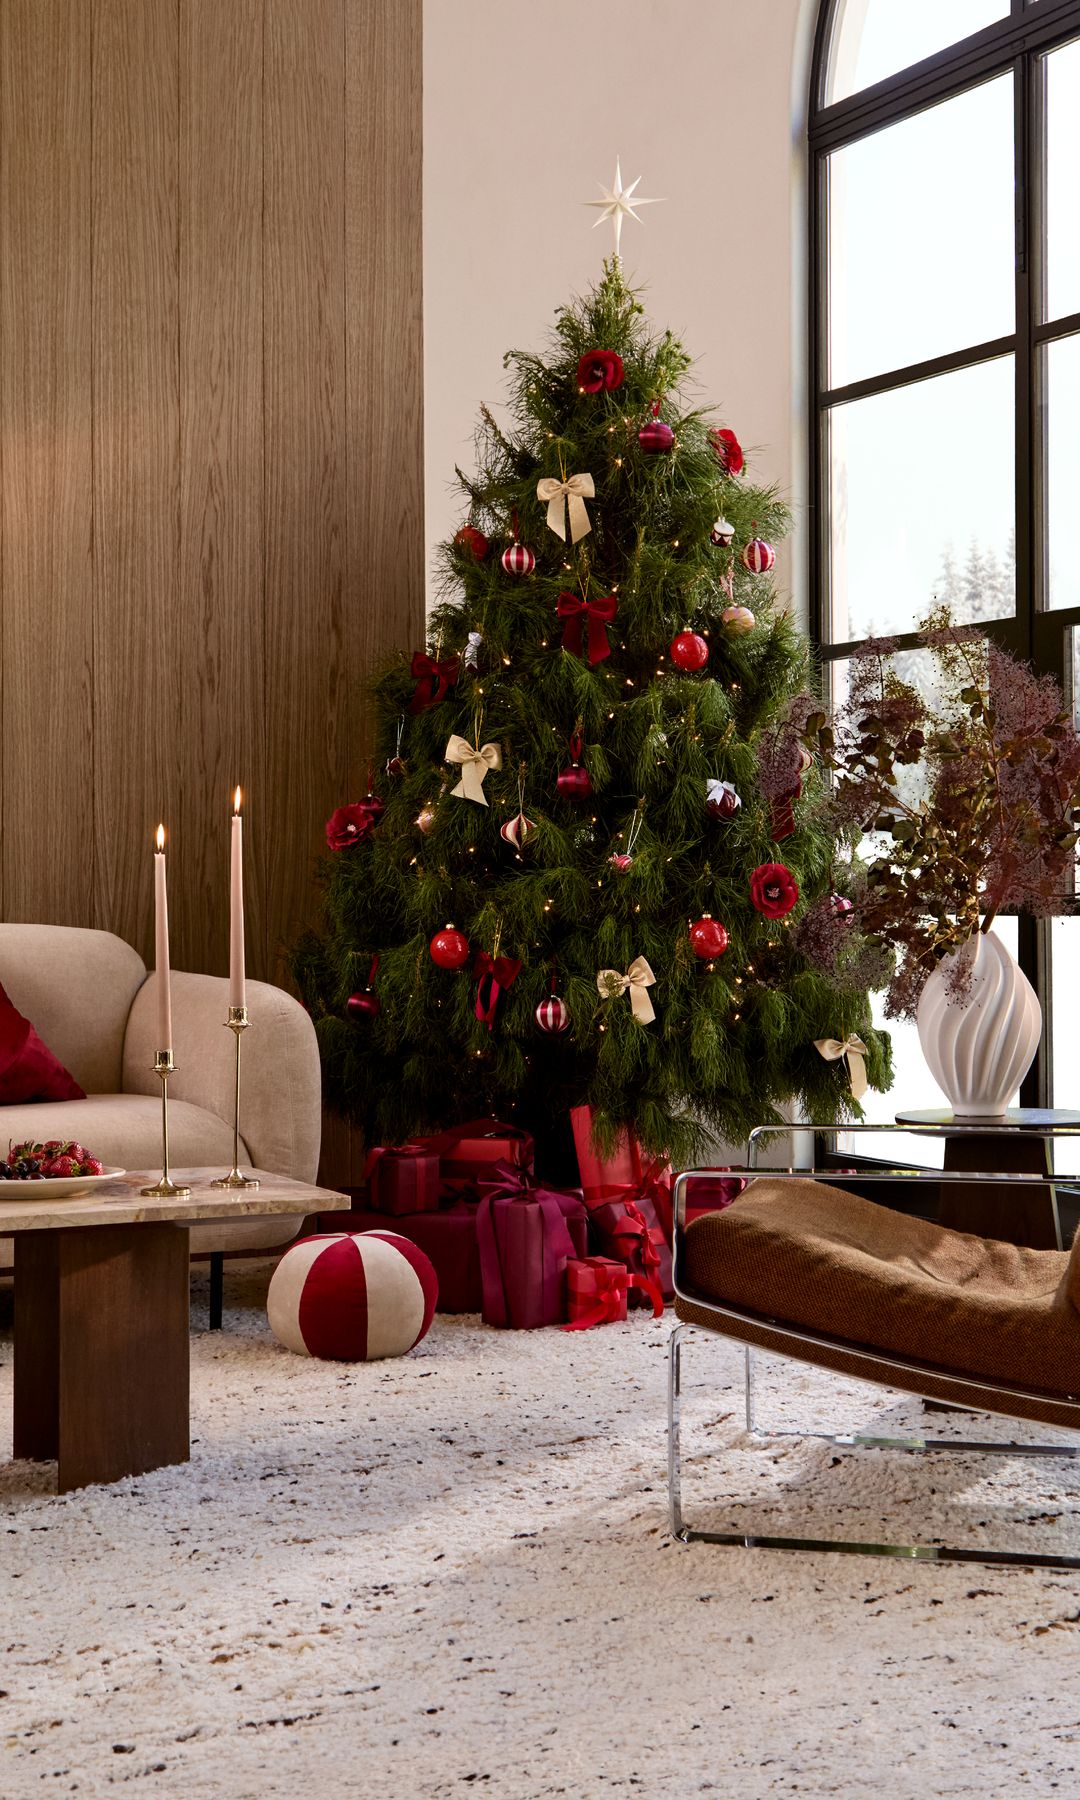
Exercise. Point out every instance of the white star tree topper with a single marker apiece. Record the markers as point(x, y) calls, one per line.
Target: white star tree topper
point(619, 202)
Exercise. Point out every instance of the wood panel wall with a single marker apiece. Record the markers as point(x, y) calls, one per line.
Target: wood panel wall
point(211, 418)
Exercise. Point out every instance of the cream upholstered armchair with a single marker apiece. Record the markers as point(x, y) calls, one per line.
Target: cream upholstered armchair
point(88, 995)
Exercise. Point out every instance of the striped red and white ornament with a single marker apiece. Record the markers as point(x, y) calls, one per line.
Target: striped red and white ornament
point(352, 1298)
point(758, 556)
point(518, 559)
point(553, 1015)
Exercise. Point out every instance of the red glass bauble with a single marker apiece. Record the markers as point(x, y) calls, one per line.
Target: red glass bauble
point(365, 1005)
point(689, 651)
point(656, 437)
point(553, 1015)
point(708, 938)
point(449, 948)
point(574, 783)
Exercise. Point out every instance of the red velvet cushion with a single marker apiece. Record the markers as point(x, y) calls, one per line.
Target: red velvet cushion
point(28, 1068)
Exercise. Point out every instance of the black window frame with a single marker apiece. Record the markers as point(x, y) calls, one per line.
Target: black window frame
point(1016, 42)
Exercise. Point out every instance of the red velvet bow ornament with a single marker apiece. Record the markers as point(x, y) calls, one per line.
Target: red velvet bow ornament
point(495, 975)
point(598, 614)
point(433, 679)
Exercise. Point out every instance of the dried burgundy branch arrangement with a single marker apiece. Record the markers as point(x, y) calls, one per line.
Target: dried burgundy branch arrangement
point(965, 808)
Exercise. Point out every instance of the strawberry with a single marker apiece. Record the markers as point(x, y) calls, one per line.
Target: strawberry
point(91, 1166)
point(60, 1166)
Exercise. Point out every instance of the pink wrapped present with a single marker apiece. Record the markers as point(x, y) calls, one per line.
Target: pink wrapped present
point(468, 1152)
point(402, 1181)
point(526, 1235)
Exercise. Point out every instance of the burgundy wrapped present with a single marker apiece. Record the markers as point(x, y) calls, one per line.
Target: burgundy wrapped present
point(447, 1236)
point(526, 1240)
point(628, 1199)
point(711, 1192)
point(466, 1152)
point(596, 1290)
point(403, 1181)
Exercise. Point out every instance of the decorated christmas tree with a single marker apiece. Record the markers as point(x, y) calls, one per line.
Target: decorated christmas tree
point(588, 841)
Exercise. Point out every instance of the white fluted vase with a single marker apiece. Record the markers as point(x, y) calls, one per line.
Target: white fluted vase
point(980, 1048)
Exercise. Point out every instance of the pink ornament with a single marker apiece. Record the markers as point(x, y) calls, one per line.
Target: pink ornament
point(621, 861)
point(365, 1005)
point(842, 907)
point(656, 437)
point(737, 620)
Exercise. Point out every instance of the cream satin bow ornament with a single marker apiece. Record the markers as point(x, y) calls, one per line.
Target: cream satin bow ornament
point(638, 978)
point(576, 491)
point(474, 767)
point(854, 1050)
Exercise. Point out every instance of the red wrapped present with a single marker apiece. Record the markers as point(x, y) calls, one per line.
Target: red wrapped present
point(711, 1192)
point(629, 1203)
point(448, 1237)
point(525, 1238)
point(403, 1181)
point(466, 1152)
point(596, 1290)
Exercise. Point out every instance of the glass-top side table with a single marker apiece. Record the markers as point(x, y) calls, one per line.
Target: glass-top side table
point(1020, 1144)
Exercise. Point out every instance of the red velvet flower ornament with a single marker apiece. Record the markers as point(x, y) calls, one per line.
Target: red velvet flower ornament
point(728, 451)
point(773, 890)
point(468, 538)
point(599, 370)
point(353, 823)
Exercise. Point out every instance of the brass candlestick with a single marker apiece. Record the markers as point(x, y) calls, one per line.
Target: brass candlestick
point(166, 1188)
point(237, 1022)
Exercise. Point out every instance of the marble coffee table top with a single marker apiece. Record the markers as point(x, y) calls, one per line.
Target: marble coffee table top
point(119, 1202)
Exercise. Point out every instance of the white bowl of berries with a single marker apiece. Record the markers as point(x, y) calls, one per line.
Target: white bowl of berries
point(59, 1169)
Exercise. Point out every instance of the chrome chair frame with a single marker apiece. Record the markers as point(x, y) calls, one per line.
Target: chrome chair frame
point(909, 1370)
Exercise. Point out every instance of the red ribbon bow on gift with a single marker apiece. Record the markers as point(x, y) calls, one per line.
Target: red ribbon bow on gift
point(495, 974)
point(610, 1285)
point(598, 614)
point(432, 678)
point(635, 1226)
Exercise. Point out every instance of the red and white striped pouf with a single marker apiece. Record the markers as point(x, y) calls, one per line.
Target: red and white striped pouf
point(352, 1298)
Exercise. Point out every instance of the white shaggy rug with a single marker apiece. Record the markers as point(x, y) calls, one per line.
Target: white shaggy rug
point(450, 1576)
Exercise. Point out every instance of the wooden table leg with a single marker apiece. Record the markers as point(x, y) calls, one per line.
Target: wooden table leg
point(101, 1350)
point(1014, 1215)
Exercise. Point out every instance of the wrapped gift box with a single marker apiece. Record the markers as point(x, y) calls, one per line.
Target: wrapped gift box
point(527, 1235)
point(403, 1181)
point(466, 1152)
point(712, 1192)
point(447, 1236)
point(628, 1198)
point(597, 1289)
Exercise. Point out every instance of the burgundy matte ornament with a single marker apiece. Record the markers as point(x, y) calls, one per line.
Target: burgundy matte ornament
point(365, 1005)
point(655, 438)
point(708, 938)
point(721, 799)
point(574, 783)
point(449, 948)
point(518, 559)
point(689, 651)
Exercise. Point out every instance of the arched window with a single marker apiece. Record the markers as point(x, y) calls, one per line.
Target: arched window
point(945, 366)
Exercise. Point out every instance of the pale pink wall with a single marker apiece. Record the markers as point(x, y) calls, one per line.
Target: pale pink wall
point(525, 107)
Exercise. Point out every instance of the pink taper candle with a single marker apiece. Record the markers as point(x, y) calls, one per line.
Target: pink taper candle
point(237, 984)
point(161, 946)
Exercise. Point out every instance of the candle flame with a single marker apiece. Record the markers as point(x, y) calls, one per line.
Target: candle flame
point(237, 797)
point(160, 837)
